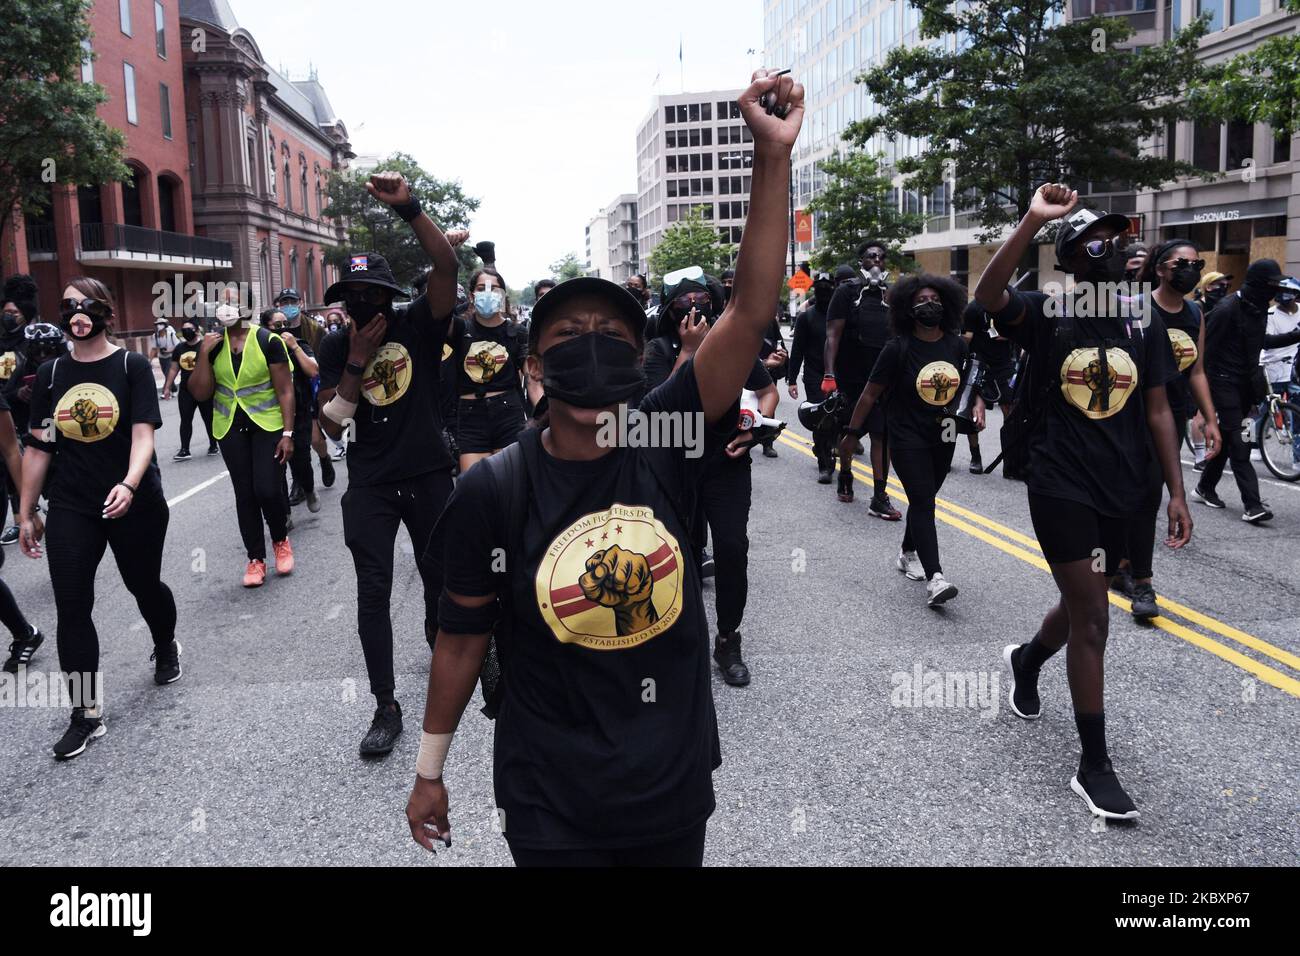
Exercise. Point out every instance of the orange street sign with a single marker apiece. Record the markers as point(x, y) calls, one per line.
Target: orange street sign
point(800, 282)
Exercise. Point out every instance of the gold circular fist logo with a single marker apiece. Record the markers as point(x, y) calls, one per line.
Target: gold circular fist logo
point(1083, 385)
point(388, 375)
point(86, 413)
point(188, 361)
point(612, 580)
point(937, 383)
point(484, 361)
point(8, 362)
point(1184, 346)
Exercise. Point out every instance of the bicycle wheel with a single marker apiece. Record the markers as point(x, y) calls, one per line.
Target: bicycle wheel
point(1277, 441)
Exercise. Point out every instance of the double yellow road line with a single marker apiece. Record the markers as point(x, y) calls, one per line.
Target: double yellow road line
point(1026, 549)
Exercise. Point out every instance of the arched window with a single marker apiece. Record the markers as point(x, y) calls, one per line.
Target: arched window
point(288, 187)
point(302, 179)
point(293, 267)
point(270, 163)
point(265, 260)
point(168, 187)
point(311, 276)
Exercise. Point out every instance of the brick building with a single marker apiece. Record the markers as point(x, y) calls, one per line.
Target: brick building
point(262, 148)
point(134, 234)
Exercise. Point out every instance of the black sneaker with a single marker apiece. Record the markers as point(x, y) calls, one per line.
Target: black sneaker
point(327, 473)
point(976, 465)
point(10, 535)
point(384, 731)
point(22, 650)
point(80, 732)
point(726, 651)
point(213, 450)
point(1199, 466)
point(313, 502)
point(825, 473)
point(1144, 602)
point(881, 507)
point(1024, 685)
point(770, 452)
point(1207, 497)
point(1101, 790)
point(167, 663)
point(1257, 514)
point(182, 455)
point(707, 566)
point(296, 495)
point(1122, 583)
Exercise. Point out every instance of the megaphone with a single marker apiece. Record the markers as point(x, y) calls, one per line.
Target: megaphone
point(761, 428)
point(830, 415)
point(970, 390)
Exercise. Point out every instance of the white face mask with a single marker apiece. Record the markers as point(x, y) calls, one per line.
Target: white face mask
point(227, 315)
point(487, 304)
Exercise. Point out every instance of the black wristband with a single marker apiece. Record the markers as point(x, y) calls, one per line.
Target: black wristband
point(409, 211)
point(127, 486)
point(354, 368)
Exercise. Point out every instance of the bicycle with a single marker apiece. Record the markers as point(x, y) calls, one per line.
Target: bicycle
point(1276, 436)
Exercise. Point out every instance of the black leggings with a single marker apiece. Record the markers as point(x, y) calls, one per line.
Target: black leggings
point(922, 472)
point(300, 463)
point(74, 544)
point(685, 851)
point(249, 453)
point(371, 515)
point(1234, 405)
point(188, 403)
point(725, 494)
point(10, 614)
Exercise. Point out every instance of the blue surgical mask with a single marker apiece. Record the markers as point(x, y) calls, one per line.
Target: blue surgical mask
point(487, 304)
point(291, 312)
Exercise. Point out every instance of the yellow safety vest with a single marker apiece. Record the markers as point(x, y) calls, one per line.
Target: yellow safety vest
point(251, 390)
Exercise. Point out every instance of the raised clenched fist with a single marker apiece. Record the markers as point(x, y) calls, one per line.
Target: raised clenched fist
point(622, 581)
point(390, 188)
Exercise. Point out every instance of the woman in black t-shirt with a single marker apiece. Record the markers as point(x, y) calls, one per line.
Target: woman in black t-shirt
point(920, 371)
point(96, 409)
point(1097, 403)
point(606, 736)
point(488, 359)
point(1174, 269)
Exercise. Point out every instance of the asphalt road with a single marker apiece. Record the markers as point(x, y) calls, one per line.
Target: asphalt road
point(251, 758)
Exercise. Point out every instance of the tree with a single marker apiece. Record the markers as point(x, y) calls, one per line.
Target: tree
point(375, 227)
point(691, 242)
point(1259, 86)
point(1019, 101)
point(854, 206)
point(50, 131)
point(570, 267)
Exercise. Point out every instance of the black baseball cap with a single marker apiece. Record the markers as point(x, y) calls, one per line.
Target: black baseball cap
point(287, 295)
point(1078, 222)
point(366, 268)
point(627, 306)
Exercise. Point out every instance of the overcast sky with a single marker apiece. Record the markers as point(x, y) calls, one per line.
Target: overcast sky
point(532, 105)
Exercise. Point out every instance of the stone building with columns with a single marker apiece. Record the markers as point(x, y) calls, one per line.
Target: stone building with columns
point(261, 151)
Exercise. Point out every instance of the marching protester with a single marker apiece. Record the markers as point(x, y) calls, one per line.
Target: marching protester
point(27, 638)
point(248, 379)
point(489, 352)
point(105, 491)
point(164, 344)
point(542, 287)
point(1211, 290)
point(18, 307)
point(1279, 363)
point(920, 371)
point(999, 369)
point(1096, 402)
point(595, 604)
point(287, 323)
point(184, 359)
point(379, 382)
point(1173, 270)
point(857, 328)
point(808, 352)
point(1236, 332)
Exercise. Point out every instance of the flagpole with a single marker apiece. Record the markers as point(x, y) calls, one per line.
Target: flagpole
point(681, 59)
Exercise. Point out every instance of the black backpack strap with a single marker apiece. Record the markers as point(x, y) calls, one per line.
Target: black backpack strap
point(509, 472)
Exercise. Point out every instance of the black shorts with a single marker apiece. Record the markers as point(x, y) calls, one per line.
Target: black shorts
point(996, 389)
point(485, 425)
point(875, 423)
point(1070, 531)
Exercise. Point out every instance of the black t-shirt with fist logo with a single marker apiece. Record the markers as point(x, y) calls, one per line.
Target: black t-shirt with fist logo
point(606, 736)
point(92, 407)
point(488, 357)
point(398, 426)
point(920, 392)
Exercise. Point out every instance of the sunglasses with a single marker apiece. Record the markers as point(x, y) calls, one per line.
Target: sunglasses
point(691, 301)
point(1100, 248)
point(92, 308)
point(370, 296)
point(1180, 262)
point(874, 255)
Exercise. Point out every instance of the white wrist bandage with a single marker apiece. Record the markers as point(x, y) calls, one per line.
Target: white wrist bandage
point(433, 754)
point(339, 410)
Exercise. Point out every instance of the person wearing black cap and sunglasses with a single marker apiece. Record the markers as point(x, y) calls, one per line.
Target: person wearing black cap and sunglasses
point(185, 358)
point(1236, 331)
point(379, 390)
point(1096, 405)
point(575, 552)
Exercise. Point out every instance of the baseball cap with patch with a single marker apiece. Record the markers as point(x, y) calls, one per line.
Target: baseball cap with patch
point(287, 295)
point(625, 305)
point(366, 268)
point(1210, 278)
point(1078, 222)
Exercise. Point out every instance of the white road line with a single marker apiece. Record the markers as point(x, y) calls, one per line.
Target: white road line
point(172, 503)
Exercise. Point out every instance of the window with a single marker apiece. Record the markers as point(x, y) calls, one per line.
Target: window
point(672, 189)
point(959, 267)
point(745, 135)
point(165, 109)
point(87, 63)
point(128, 77)
point(1241, 144)
point(681, 113)
point(670, 139)
point(672, 213)
point(694, 137)
point(671, 164)
point(288, 187)
point(160, 29)
point(670, 115)
point(1282, 149)
point(1215, 9)
point(706, 112)
point(708, 162)
point(132, 205)
point(724, 185)
point(695, 162)
point(708, 137)
point(1270, 226)
point(1243, 10)
point(124, 15)
point(167, 204)
point(1205, 147)
point(1234, 236)
point(693, 113)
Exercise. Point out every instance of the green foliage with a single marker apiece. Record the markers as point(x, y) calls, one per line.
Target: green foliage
point(50, 132)
point(1019, 102)
point(570, 267)
point(1259, 86)
point(855, 206)
point(373, 226)
point(692, 241)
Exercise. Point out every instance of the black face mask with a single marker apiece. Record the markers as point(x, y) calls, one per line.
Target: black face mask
point(363, 313)
point(98, 316)
point(12, 323)
point(1109, 269)
point(704, 312)
point(1184, 279)
point(592, 371)
point(822, 295)
point(189, 334)
point(1214, 297)
point(929, 314)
